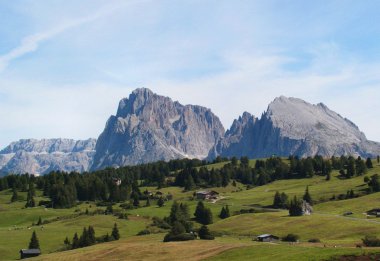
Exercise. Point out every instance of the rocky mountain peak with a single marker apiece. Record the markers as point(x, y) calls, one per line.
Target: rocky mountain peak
point(149, 127)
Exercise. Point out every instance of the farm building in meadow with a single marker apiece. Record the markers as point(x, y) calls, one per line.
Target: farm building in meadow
point(202, 195)
point(267, 238)
point(26, 253)
point(374, 212)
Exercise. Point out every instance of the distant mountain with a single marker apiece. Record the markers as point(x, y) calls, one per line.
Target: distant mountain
point(291, 126)
point(42, 156)
point(148, 127)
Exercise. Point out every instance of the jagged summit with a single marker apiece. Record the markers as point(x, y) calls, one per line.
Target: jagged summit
point(42, 156)
point(292, 126)
point(149, 127)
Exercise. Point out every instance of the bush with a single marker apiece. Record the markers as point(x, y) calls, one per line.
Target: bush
point(143, 232)
point(371, 241)
point(46, 203)
point(204, 233)
point(290, 238)
point(181, 237)
point(314, 240)
point(158, 222)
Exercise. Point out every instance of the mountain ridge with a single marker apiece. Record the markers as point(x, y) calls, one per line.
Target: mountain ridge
point(149, 127)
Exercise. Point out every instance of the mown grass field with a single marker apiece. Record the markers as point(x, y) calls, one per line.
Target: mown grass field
point(326, 223)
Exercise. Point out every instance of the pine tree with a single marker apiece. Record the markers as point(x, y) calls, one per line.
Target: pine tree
point(204, 233)
point(224, 213)
point(76, 242)
point(199, 211)
point(34, 243)
point(136, 201)
point(202, 214)
point(91, 236)
point(30, 203)
point(83, 240)
point(277, 202)
point(160, 202)
point(66, 241)
point(368, 163)
point(307, 196)
point(39, 222)
point(115, 232)
point(378, 159)
point(189, 183)
point(14, 195)
point(295, 208)
point(227, 212)
point(147, 204)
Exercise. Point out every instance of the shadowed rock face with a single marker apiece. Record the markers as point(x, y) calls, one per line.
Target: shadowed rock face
point(42, 156)
point(292, 126)
point(149, 127)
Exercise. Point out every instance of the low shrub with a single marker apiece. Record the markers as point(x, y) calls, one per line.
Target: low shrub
point(143, 232)
point(291, 238)
point(371, 241)
point(180, 237)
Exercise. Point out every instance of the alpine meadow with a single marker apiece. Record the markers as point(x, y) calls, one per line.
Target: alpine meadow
point(190, 130)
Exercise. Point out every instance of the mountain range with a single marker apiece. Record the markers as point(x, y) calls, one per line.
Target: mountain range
point(148, 127)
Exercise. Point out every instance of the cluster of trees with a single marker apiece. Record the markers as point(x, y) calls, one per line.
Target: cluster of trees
point(225, 212)
point(181, 226)
point(373, 183)
point(263, 172)
point(202, 214)
point(350, 167)
point(281, 201)
point(88, 238)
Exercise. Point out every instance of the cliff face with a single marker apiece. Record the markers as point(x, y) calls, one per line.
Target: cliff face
point(42, 156)
point(149, 127)
point(292, 126)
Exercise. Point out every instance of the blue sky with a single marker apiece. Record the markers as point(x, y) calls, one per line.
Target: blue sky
point(64, 65)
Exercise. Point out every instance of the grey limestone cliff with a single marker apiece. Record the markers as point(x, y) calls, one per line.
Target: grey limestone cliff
point(148, 127)
point(291, 126)
point(42, 156)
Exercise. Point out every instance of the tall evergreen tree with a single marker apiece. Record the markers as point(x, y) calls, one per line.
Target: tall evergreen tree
point(368, 163)
point(34, 243)
point(14, 195)
point(30, 203)
point(115, 232)
point(147, 204)
point(277, 202)
point(67, 241)
point(91, 236)
point(160, 202)
point(39, 222)
point(204, 233)
point(295, 208)
point(202, 214)
point(307, 196)
point(378, 159)
point(75, 244)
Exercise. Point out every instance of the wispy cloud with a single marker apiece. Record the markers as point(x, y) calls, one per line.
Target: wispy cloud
point(32, 42)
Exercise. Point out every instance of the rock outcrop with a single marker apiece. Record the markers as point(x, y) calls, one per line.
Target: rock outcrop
point(148, 127)
point(42, 156)
point(291, 126)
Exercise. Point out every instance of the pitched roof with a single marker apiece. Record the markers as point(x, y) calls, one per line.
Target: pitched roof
point(31, 251)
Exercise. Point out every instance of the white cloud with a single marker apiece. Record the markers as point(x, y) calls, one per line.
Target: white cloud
point(31, 43)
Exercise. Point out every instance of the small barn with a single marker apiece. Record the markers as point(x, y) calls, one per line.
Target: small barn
point(26, 253)
point(267, 238)
point(202, 195)
point(374, 212)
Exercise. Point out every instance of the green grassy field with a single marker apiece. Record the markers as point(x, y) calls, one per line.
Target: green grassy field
point(326, 223)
